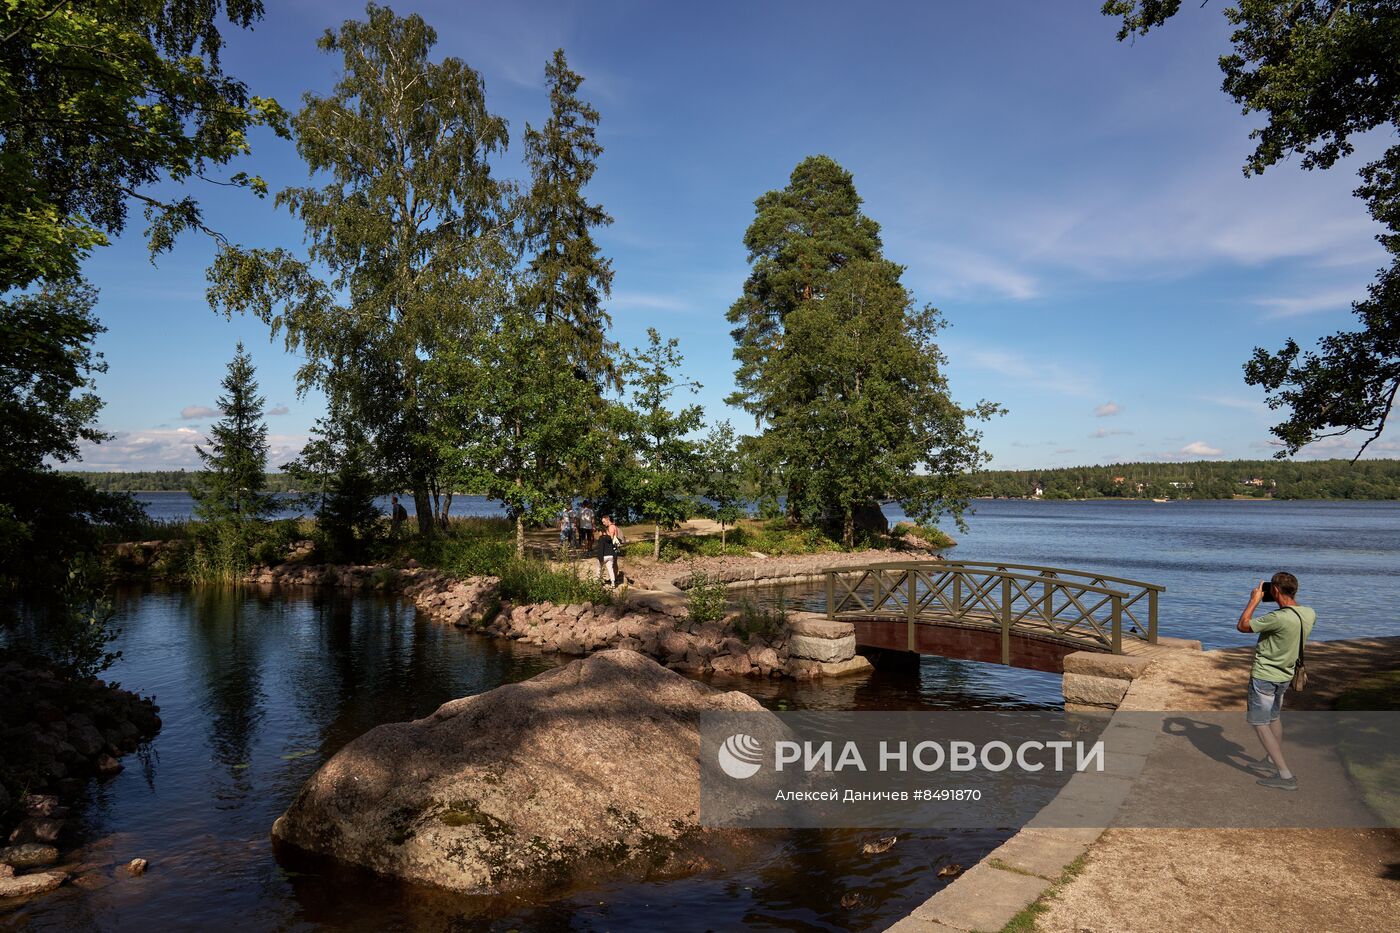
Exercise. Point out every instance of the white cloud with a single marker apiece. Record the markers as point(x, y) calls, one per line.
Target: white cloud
point(946, 271)
point(1107, 432)
point(1046, 375)
point(1298, 305)
point(1107, 410)
point(280, 410)
point(1243, 404)
point(170, 449)
point(649, 301)
point(1200, 449)
point(197, 412)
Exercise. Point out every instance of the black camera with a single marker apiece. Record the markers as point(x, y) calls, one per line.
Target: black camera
point(1270, 594)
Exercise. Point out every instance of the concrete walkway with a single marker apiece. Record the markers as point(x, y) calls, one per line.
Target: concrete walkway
point(1195, 879)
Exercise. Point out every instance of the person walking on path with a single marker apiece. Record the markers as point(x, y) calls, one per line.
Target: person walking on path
point(397, 516)
point(566, 527)
point(614, 534)
point(1276, 659)
point(607, 558)
point(585, 525)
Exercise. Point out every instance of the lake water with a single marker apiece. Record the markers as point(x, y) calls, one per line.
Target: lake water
point(257, 689)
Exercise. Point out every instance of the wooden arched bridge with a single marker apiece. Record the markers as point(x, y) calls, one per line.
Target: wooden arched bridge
point(1019, 614)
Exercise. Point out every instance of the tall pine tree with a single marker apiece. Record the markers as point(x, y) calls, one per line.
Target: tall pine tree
point(230, 488)
point(839, 367)
point(569, 276)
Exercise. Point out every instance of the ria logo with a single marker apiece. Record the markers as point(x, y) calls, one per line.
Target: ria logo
point(741, 756)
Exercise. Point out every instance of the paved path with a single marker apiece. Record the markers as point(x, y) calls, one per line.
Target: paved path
point(1242, 879)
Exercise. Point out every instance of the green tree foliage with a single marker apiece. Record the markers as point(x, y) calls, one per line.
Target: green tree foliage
point(722, 477)
point(1321, 72)
point(1202, 479)
point(340, 479)
point(230, 488)
point(101, 100)
point(48, 407)
point(799, 238)
point(836, 359)
point(568, 277)
point(410, 210)
point(525, 420)
point(660, 476)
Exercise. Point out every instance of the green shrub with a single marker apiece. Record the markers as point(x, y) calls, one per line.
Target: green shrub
point(934, 535)
point(706, 597)
point(534, 581)
point(78, 631)
point(756, 620)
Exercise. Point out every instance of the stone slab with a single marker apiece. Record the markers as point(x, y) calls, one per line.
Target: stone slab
point(1188, 644)
point(1098, 664)
point(856, 665)
point(1044, 852)
point(984, 898)
point(1090, 690)
point(37, 883)
point(822, 649)
point(817, 627)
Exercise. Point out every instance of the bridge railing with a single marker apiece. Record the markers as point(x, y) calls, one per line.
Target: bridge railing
point(1069, 605)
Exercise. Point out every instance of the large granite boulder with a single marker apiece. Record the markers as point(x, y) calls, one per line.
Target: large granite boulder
point(587, 769)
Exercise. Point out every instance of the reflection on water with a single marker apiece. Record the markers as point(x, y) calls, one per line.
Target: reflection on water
point(257, 690)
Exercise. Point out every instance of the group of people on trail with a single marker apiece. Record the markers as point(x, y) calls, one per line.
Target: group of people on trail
point(576, 529)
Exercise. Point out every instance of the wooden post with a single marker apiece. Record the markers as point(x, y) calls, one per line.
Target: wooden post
point(909, 609)
point(957, 594)
point(1152, 617)
point(831, 595)
point(1006, 620)
point(1117, 624)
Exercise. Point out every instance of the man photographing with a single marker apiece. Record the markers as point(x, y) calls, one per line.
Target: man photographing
point(1281, 636)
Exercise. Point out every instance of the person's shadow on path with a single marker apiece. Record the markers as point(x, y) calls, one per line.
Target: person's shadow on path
point(1209, 739)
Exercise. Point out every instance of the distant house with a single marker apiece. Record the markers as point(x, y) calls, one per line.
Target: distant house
point(1255, 481)
point(1176, 485)
point(1119, 480)
point(1039, 492)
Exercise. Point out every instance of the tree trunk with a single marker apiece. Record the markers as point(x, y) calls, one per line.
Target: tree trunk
point(722, 545)
point(656, 542)
point(423, 505)
point(520, 536)
point(446, 507)
point(848, 527)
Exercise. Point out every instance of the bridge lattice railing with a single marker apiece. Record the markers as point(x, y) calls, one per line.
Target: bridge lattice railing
point(1070, 605)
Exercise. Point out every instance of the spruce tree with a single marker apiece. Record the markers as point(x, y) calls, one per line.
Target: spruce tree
point(230, 488)
point(569, 276)
point(662, 476)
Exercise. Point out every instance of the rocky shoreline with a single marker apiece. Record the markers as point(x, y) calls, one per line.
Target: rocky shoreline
point(54, 735)
point(803, 646)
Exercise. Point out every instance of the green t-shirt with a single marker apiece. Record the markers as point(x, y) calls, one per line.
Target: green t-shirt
point(1277, 651)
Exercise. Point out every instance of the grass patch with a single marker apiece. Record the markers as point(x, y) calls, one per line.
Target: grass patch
point(774, 537)
point(1024, 921)
point(534, 581)
point(1374, 767)
point(935, 536)
point(760, 621)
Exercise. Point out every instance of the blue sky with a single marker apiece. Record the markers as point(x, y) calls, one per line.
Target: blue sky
point(1074, 206)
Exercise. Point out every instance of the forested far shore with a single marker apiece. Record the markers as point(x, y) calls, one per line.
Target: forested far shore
point(167, 481)
point(1201, 479)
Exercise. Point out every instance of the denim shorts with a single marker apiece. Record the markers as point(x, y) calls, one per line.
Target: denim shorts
point(1265, 701)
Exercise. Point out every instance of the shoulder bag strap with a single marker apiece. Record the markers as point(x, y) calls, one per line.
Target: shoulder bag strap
point(1301, 632)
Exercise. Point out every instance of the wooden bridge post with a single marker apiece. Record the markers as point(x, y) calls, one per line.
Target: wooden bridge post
point(1006, 620)
point(912, 604)
point(1152, 617)
point(957, 594)
point(830, 595)
point(1117, 624)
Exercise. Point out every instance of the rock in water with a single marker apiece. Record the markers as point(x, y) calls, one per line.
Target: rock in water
point(587, 768)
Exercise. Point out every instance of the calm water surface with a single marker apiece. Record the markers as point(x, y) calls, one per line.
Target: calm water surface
point(258, 689)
